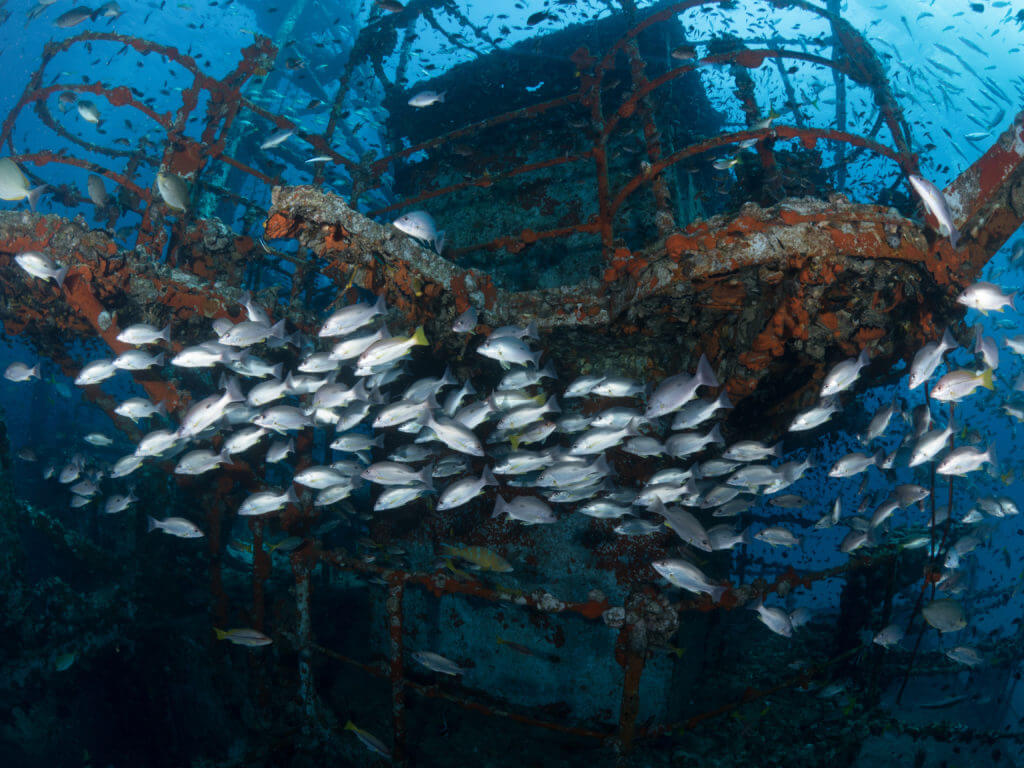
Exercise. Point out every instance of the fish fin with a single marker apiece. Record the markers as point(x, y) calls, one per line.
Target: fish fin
point(705, 375)
point(61, 274)
point(34, 195)
point(159, 360)
point(468, 388)
point(954, 239)
point(548, 371)
point(487, 477)
point(440, 96)
point(552, 405)
point(986, 379)
point(233, 391)
point(948, 342)
point(715, 435)
point(379, 306)
point(292, 497)
point(716, 597)
point(447, 378)
point(277, 330)
point(222, 635)
point(419, 338)
point(723, 401)
point(427, 475)
point(151, 523)
point(165, 333)
point(531, 330)
point(499, 505)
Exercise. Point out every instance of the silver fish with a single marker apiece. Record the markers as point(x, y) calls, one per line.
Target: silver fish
point(173, 190)
point(526, 509)
point(686, 575)
point(676, 391)
point(929, 357)
point(466, 322)
point(263, 502)
point(462, 491)
point(277, 139)
point(14, 184)
point(420, 225)
point(437, 663)
point(844, 374)
point(175, 526)
point(426, 99)
point(935, 203)
point(985, 297)
point(41, 266)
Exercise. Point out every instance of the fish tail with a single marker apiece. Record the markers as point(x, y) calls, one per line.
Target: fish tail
point(34, 195)
point(499, 505)
point(152, 523)
point(61, 274)
point(220, 633)
point(705, 375)
point(986, 379)
point(419, 338)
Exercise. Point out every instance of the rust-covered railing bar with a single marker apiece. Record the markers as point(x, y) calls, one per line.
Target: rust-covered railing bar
point(748, 58)
point(463, 701)
point(44, 158)
point(439, 583)
point(806, 135)
point(118, 96)
point(516, 242)
point(479, 181)
point(750, 695)
point(380, 164)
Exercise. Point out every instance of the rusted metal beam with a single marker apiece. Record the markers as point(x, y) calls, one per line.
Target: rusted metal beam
point(987, 202)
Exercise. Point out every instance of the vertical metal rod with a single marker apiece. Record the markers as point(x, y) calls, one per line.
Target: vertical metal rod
point(839, 79)
point(662, 198)
point(307, 693)
point(396, 592)
point(630, 652)
point(260, 570)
